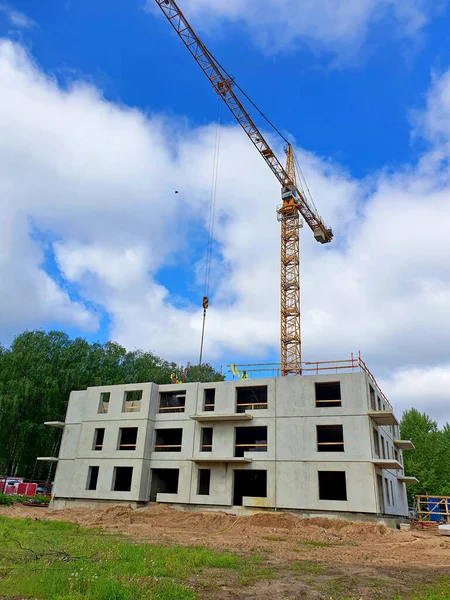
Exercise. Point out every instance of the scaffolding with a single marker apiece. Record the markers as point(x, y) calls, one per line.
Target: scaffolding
point(432, 510)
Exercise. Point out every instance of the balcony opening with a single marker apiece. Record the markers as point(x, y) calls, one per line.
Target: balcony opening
point(172, 402)
point(250, 439)
point(204, 481)
point(209, 400)
point(104, 402)
point(128, 438)
point(99, 435)
point(207, 439)
point(164, 481)
point(376, 443)
point(92, 478)
point(328, 394)
point(373, 405)
point(132, 401)
point(168, 440)
point(251, 483)
point(330, 438)
point(332, 485)
point(122, 479)
point(251, 398)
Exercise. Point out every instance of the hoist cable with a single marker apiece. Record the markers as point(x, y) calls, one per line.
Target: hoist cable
point(211, 223)
point(304, 185)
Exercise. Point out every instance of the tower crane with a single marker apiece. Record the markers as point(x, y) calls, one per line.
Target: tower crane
point(294, 205)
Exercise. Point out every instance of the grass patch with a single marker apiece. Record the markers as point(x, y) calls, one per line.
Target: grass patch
point(315, 544)
point(7, 500)
point(306, 566)
point(56, 560)
point(439, 591)
point(271, 538)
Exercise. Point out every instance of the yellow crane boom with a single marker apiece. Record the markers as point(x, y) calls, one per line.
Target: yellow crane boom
point(294, 201)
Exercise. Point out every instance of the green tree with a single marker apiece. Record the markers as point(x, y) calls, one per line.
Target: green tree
point(429, 462)
point(37, 374)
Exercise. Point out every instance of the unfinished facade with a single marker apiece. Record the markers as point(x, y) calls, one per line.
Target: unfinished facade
point(316, 444)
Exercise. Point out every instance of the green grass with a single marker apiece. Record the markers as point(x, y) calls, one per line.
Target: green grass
point(271, 538)
point(307, 567)
point(56, 560)
point(441, 591)
point(7, 500)
point(315, 544)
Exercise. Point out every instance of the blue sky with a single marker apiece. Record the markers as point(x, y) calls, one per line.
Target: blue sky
point(107, 115)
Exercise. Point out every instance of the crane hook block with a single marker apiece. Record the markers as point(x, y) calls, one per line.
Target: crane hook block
point(205, 302)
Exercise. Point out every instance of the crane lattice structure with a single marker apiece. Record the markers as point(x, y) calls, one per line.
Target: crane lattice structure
point(294, 200)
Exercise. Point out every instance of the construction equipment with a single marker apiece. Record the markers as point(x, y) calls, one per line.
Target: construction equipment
point(294, 199)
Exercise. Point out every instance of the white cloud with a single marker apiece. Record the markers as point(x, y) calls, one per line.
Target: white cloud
point(426, 388)
point(99, 180)
point(335, 25)
point(16, 17)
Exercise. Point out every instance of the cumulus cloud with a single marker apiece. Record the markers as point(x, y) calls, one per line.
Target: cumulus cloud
point(97, 181)
point(338, 25)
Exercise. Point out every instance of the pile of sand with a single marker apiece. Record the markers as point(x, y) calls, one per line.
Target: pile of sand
point(284, 535)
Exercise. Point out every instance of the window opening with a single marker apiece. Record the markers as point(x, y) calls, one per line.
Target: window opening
point(104, 402)
point(379, 403)
point(132, 401)
point(392, 493)
point(332, 485)
point(209, 399)
point(251, 483)
point(373, 405)
point(396, 454)
point(128, 438)
point(168, 440)
point(99, 435)
point(172, 402)
point(204, 481)
point(383, 448)
point(388, 495)
point(328, 394)
point(207, 439)
point(376, 442)
point(122, 479)
point(330, 438)
point(251, 398)
point(164, 481)
point(250, 439)
point(380, 493)
point(92, 478)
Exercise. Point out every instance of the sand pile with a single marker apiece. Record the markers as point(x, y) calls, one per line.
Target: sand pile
point(283, 536)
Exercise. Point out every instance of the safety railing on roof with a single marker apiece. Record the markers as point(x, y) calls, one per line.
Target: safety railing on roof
point(354, 364)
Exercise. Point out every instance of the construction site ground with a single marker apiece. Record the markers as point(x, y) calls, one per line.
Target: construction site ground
point(301, 558)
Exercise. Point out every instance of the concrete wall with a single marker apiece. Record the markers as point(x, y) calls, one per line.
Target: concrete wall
point(292, 460)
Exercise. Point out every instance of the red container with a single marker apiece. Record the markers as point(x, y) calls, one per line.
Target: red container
point(27, 489)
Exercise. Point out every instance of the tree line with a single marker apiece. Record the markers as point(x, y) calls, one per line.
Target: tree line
point(37, 374)
point(430, 461)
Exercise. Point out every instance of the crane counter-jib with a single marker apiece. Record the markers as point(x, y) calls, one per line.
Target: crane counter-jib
point(223, 86)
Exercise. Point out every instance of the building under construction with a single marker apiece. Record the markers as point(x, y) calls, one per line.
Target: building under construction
point(318, 444)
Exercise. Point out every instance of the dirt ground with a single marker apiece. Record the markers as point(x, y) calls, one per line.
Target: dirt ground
point(363, 557)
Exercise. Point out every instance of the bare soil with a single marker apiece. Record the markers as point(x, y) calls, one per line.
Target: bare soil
point(304, 558)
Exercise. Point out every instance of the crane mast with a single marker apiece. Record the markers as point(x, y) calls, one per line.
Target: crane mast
point(294, 201)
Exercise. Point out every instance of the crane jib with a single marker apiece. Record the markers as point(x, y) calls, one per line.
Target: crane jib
point(222, 85)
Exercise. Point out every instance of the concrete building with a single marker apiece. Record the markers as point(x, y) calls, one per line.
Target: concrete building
point(318, 444)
